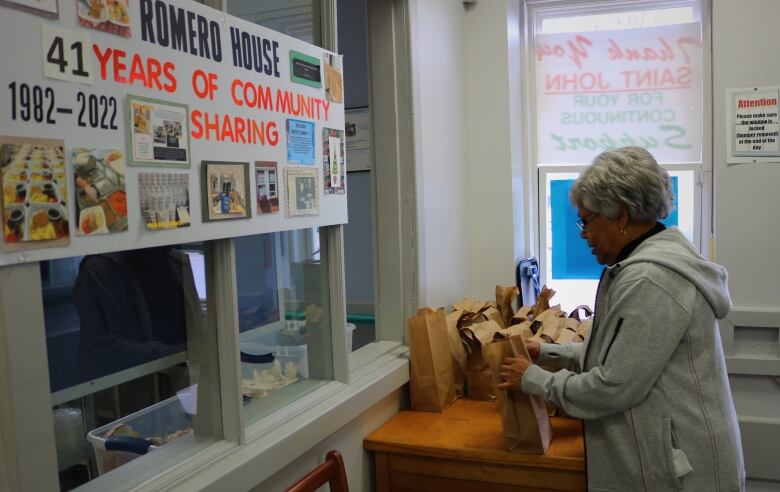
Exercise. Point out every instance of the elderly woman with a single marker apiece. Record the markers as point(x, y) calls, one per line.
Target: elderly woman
point(650, 380)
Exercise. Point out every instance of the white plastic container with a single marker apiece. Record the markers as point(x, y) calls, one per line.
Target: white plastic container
point(288, 345)
point(294, 353)
point(158, 420)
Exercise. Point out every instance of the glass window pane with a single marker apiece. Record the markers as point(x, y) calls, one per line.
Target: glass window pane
point(615, 21)
point(572, 270)
point(284, 319)
point(132, 352)
point(296, 18)
point(614, 78)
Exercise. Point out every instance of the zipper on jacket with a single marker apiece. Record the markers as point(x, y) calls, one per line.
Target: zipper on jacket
point(614, 336)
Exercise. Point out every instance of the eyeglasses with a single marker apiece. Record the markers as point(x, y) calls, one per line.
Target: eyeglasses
point(583, 222)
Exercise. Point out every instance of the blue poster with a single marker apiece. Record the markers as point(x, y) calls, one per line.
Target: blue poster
point(300, 142)
point(571, 257)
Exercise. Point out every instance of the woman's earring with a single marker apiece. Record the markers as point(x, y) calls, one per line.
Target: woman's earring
point(622, 232)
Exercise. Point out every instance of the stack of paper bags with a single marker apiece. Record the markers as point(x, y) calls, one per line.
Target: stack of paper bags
point(455, 342)
point(473, 324)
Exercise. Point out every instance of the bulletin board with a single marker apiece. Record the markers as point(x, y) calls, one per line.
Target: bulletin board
point(136, 123)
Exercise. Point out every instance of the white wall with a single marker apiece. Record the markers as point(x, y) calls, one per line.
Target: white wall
point(467, 147)
point(747, 229)
point(438, 45)
point(349, 441)
point(745, 40)
point(494, 166)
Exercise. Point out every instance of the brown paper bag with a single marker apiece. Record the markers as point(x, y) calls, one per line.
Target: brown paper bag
point(542, 301)
point(524, 417)
point(476, 313)
point(505, 299)
point(471, 305)
point(479, 381)
point(522, 314)
point(492, 314)
point(584, 328)
point(576, 313)
point(569, 332)
point(458, 352)
point(551, 325)
point(523, 328)
point(431, 384)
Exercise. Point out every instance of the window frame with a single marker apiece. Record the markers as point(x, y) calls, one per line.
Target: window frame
point(534, 12)
point(544, 247)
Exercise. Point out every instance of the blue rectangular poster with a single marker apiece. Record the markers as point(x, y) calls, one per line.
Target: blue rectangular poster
point(300, 142)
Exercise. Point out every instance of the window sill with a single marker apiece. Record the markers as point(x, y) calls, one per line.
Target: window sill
point(376, 370)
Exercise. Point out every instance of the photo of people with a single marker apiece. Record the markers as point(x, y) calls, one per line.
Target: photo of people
point(159, 135)
point(172, 132)
point(267, 187)
point(304, 199)
point(227, 190)
point(302, 192)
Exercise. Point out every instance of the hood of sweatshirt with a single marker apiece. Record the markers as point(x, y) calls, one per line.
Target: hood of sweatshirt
point(670, 249)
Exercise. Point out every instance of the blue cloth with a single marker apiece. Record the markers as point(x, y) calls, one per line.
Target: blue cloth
point(224, 199)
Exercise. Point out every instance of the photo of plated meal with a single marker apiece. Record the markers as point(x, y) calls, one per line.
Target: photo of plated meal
point(35, 192)
point(101, 198)
point(117, 12)
point(93, 10)
point(92, 220)
point(112, 16)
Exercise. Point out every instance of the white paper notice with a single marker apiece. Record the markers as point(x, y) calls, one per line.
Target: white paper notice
point(66, 54)
point(756, 123)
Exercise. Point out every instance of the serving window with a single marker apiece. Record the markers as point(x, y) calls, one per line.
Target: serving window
point(131, 344)
point(284, 319)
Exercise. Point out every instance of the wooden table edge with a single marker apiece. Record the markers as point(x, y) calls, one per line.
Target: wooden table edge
point(480, 455)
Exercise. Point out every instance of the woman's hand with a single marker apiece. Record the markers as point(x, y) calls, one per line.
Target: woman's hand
point(534, 349)
point(512, 371)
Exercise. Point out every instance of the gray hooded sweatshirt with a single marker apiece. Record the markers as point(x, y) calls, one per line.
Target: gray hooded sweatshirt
point(650, 380)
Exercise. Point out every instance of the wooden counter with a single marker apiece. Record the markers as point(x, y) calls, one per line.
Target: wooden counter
point(464, 449)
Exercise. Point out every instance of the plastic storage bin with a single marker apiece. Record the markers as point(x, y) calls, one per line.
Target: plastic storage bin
point(158, 420)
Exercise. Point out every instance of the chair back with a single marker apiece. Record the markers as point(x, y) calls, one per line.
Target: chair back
point(331, 472)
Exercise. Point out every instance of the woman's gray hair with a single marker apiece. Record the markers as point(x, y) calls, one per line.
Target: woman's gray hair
point(627, 177)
